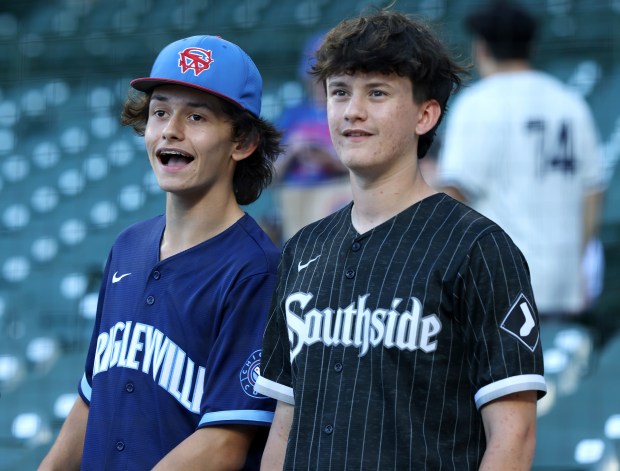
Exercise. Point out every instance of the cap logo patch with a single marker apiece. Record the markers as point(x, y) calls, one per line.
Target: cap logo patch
point(520, 323)
point(195, 59)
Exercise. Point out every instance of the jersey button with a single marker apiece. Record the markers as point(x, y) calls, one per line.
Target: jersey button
point(129, 387)
point(150, 300)
point(328, 429)
point(350, 273)
point(338, 367)
point(120, 446)
point(156, 275)
point(356, 246)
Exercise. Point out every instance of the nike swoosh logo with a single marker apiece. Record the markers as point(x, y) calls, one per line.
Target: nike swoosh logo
point(301, 266)
point(116, 278)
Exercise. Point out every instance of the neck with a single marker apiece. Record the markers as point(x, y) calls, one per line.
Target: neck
point(497, 67)
point(376, 203)
point(188, 225)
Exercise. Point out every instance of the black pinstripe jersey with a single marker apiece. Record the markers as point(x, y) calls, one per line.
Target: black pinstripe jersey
point(389, 342)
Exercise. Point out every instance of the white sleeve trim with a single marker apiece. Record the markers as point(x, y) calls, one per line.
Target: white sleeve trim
point(275, 390)
point(237, 416)
point(508, 386)
point(85, 387)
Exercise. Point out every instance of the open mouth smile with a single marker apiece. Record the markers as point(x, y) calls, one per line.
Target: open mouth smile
point(174, 158)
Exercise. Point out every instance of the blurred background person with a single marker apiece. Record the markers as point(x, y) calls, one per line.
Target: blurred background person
point(311, 180)
point(522, 148)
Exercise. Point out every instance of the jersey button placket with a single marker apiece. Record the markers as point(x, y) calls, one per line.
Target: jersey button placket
point(328, 429)
point(120, 446)
point(129, 387)
point(150, 300)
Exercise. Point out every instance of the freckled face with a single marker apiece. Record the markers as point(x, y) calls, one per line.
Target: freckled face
point(188, 140)
point(373, 119)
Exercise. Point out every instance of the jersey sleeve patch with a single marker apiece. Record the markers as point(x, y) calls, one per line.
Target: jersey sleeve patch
point(520, 323)
point(248, 375)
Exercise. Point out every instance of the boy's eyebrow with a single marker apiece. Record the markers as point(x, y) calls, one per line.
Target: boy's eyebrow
point(159, 98)
point(191, 104)
point(337, 83)
point(378, 84)
point(368, 85)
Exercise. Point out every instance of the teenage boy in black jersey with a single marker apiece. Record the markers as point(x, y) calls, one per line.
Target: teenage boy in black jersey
point(403, 333)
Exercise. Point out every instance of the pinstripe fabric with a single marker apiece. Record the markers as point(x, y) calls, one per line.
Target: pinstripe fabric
point(384, 341)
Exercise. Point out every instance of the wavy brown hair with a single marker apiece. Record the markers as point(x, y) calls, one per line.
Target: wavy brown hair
point(390, 42)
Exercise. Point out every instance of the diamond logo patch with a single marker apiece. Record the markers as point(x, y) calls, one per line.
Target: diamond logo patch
point(520, 322)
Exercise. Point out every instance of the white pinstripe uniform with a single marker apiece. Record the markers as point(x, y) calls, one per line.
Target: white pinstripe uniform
point(523, 148)
point(388, 343)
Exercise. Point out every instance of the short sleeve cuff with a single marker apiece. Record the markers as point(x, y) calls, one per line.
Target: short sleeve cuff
point(275, 390)
point(85, 389)
point(510, 385)
point(249, 417)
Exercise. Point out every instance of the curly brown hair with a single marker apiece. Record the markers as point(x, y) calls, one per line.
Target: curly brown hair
point(252, 174)
point(392, 42)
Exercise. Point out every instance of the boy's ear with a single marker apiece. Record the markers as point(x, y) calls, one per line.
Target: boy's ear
point(430, 111)
point(245, 148)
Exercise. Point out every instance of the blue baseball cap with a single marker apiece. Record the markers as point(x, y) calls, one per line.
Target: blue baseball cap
point(211, 64)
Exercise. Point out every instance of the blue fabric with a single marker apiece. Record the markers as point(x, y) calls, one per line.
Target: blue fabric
point(176, 343)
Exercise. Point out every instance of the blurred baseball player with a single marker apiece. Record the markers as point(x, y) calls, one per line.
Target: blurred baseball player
point(522, 148)
point(170, 372)
point(403, 332)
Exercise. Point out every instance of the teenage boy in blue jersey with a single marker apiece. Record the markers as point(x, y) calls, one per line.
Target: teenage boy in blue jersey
point(169, 375)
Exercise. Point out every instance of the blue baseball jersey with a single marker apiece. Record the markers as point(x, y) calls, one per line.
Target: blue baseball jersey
point(176, 344)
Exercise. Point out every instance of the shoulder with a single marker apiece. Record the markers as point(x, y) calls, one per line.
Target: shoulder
point(252, 243)
point(457, 215)
point(477, 101)
point(143, 229)
point(465, 98)
point(456, 225)
point(321, 230)
point(478, 89)
point(474, 250)
point(552, 87)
